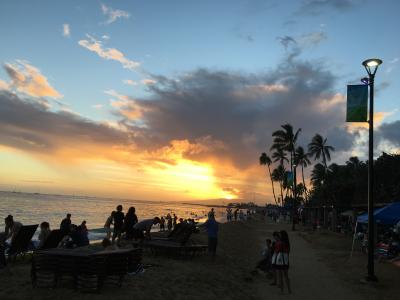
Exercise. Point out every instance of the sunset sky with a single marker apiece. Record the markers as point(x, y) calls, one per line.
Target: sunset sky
point(175, 100)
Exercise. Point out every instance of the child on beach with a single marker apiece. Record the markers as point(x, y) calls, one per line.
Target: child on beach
point(265, 264)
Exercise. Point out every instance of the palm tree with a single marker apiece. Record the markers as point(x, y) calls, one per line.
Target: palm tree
point(318, 148)
point(266, 160)
point(318, 174)
point(301, 159)
point(278, 175)
point(286, 140)
point(279, 155)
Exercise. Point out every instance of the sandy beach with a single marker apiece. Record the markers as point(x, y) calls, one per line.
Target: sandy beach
point(321, 268)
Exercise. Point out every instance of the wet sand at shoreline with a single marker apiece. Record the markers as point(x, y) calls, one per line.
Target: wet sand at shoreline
point(319, 269)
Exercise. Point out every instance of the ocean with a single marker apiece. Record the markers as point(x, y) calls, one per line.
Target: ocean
point(36, 208)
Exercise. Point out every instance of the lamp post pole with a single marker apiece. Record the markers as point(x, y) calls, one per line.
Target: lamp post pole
point(371, 65)
point(294, 198)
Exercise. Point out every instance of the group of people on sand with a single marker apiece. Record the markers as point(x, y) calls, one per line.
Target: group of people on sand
point(237, 214)
point(74, 235)
point(275, 261)
point(129, 224)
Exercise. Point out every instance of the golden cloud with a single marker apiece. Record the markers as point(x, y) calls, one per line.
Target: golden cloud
point(29, 80)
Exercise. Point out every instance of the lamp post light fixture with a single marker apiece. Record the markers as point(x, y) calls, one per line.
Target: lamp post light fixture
point(371, 66)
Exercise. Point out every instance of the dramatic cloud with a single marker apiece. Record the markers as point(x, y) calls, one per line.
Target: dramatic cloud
point(66, 30)
point(114, 14)
point(30, 126)
point(390, 132)
point(28, 79)
point(237, 112)
point(97, 47)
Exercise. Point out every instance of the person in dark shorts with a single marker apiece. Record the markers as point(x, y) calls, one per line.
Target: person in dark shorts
point(118, 224)
point(212, 231)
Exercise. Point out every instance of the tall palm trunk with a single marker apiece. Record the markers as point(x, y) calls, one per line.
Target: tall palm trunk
point(272, 182)
point(281, 184)
point(304, 183)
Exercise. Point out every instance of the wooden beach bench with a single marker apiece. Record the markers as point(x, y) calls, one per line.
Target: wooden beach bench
point(88, 270)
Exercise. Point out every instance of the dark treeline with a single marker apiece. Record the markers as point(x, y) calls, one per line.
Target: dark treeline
point(347, 185)
point(338, 185)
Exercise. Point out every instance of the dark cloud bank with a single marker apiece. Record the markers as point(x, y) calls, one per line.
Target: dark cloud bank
point(232, 114)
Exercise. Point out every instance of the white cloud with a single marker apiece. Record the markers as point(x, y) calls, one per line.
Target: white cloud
point(108, 53)
point(113, 14)
point(29, 80)
point(129, 82)
point(148, 81)
point(66, 30)
point(105, 37)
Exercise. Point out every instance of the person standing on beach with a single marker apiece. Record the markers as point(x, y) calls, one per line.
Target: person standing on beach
point(107, 225)
point(118, 224)
point(175, 219)
point(212, 231)
point(235, 214)
point(274, 252)
point(282, 261)
point(130, 221)
point(65, 225)
point(12, 228)
point(162, 224)
point(169, 222)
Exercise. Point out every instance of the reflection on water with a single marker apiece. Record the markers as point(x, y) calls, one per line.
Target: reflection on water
point(36, 208)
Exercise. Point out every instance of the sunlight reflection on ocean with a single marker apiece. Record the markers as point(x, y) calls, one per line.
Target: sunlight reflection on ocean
point(36, 208)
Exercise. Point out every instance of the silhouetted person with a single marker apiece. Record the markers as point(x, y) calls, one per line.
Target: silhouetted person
point(212, 231)
point(129, 221)
point(44, 233)
point(118, 224)
point(143, 228)
point(65, 225)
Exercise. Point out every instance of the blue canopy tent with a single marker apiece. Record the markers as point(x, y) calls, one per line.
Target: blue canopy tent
point(388, 215)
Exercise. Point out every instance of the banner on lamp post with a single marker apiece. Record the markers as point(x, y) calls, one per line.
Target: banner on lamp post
point(357, 103)
point(289, 178)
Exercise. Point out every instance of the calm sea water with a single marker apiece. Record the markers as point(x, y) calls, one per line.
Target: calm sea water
point(36, 208)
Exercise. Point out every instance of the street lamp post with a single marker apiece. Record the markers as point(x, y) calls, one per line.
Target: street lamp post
point(371, 65)
point(294, 198)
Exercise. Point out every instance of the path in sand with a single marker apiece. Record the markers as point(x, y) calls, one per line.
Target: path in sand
point(310, 277)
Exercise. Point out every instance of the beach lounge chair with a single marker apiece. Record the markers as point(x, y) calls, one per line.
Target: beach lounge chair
point(177, 244)
point(21, 242)
point(53, 239)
